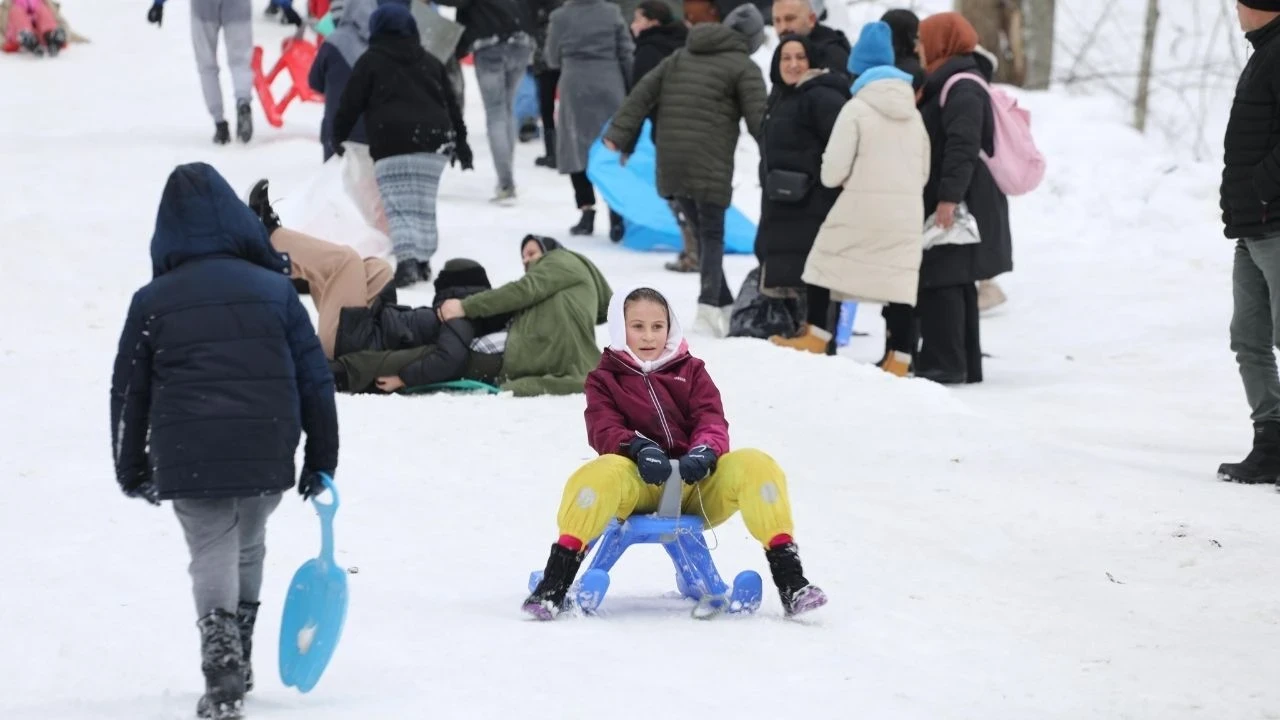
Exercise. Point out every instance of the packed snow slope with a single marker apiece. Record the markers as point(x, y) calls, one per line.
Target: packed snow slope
point(1050, 544)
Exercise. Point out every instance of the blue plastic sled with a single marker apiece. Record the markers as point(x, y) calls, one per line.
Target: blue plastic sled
point(526, 105)
point(632, 192)
point(465, 386)
point(315, 608)
point(681, 536)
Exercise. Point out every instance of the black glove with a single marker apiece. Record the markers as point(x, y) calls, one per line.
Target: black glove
point(463, 155)
point(338, 149)
point(310, 484)
point(156, 14)
point(653, 464)
point(145, 490)
point(697, 464)
point(291, 16)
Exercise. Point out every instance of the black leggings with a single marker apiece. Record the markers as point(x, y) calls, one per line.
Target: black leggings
point(583, 192)
point(547, 82)
point(818, 301)
point(901, 334)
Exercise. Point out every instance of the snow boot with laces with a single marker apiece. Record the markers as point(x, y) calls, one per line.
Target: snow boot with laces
point(246, 617)
point(31, 43)
point(55, 40)
point(222, 662)
point(260, 203)
point(244, 121)
point(548, 598)
point(1263, 462)
point(797, 594)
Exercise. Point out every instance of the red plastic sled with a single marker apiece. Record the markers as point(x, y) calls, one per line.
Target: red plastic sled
point(296, 57)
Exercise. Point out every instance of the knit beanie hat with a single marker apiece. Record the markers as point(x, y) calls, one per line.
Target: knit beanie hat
point(393, 19)
point(873, 49)
point(1264, 5)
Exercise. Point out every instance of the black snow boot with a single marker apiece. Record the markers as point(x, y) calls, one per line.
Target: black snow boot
point(244, 122)
point(548, 160)
point(528, 131)
point(408, 273)
point(260, 203)
point(246, 617)
point(1263, 462)
point(424, 269)
point(617, 227)
point(30, 42)
point(798, 595)
point(221, 133)
point(547, 599)
point(586, 225)
point(222, 663)
point(55, 40)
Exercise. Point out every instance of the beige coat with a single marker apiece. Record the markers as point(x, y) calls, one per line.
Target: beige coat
point(870, 246)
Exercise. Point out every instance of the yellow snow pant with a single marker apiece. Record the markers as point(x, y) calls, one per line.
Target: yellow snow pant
point(338, 277)
point(610, 486)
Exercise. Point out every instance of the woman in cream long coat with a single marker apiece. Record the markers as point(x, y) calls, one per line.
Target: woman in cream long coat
point(869, 248)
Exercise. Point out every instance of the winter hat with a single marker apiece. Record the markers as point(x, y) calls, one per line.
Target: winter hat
point(873, 49)
point(393, 19)
point(944, 36)
point(775, 69)
point(676, 345)
point(547, 244)
point(746, 19)
point(462, 272)
point(1263, 5)
point(906, 30)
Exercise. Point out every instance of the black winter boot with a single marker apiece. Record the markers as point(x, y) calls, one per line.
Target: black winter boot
point(408, 273)
point(222, 663)
point(1263, 462)
point(55, 40)
point(260, 203)
point(547, 600)
point(548, 160)
point(30, 42)
point(221, 133)
point(798, 595)
point(586, 225)
point(244, 122)
point(617, 227)
point(246, 617)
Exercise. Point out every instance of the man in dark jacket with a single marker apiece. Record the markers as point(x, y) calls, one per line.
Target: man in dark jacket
point(1250, 185)
point(830, 46)
point(218, 373)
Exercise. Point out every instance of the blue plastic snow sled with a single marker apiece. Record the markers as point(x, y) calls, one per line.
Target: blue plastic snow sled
point(631, 190)
point(315, 608)
point(681, 536)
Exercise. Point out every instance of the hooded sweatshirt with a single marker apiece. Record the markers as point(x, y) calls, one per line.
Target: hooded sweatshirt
point(671, 400)
point(331, 69)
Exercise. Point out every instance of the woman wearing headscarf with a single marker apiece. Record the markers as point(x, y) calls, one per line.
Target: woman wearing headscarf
point(959, 131)
point(334, 60)
point(906, 44)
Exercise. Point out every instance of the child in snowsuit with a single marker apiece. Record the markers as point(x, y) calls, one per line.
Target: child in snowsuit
point(415, 129)
point(233, 18)
point(30, 23)
point(650, 400)
point(218, 373)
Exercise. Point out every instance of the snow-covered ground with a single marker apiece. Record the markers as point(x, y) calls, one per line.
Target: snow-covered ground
point(1050, 544)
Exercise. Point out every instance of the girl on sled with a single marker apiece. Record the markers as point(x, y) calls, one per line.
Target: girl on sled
point(650, 400)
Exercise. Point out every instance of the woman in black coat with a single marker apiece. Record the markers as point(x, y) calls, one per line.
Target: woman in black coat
point(948, 306)
point(906, 44)
point(797, 126)
point(657, 33)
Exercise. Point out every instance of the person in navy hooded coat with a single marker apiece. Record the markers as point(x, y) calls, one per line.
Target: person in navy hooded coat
point(218, 373)
point(332, 67)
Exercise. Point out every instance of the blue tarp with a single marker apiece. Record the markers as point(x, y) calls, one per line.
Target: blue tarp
point(527, 99)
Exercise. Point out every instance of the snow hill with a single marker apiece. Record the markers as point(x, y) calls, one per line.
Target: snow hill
point(1050, 544)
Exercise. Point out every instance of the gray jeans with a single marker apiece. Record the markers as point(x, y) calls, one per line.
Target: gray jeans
point(234, 18)
point(227, 540)
point(499, 72)
point(1255, 281)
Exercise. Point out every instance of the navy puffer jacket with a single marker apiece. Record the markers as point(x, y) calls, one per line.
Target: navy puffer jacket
point(219, 369)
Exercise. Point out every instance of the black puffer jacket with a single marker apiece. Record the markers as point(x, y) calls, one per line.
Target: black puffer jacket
point(654, 45)
point(539, 12)
point(1251, 172)
point(830, 49)
point(796, 130)
point(957, 134)
point(490, 22)
point(405, 98)
point(219, 369)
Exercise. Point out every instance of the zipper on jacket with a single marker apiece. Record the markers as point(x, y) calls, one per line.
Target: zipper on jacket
point(662, 417)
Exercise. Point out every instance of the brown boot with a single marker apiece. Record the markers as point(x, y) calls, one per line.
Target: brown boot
point(683, 264)
point(896, 363)
point(811, 339)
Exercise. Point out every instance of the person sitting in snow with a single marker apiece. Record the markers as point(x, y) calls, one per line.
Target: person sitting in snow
point(650, 400)
point(33, 26)
point(217, 375)
point(551, 343)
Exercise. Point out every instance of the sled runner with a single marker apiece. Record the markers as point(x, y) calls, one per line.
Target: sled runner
point(296, 57)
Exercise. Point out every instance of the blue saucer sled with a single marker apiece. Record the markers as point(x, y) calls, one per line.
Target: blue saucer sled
point(681, 536)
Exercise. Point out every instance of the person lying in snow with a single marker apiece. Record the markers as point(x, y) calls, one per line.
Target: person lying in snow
point(33, 25)
point(650, 400)
point(217, 375)
point(551, 344)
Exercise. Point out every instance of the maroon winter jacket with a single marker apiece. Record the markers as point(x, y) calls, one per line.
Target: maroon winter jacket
point(677, 405)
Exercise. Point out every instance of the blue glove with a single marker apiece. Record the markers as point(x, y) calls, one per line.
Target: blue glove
point(310, 484)
point(653, 464)
point(697, 464)
point(145, 490)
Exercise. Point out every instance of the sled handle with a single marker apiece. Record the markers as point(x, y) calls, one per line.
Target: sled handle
point(669, 505)
point(326, 511)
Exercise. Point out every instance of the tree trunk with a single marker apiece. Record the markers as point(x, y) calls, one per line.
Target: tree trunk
point(1144, 74)
point(1038, 30)
point(994, 20)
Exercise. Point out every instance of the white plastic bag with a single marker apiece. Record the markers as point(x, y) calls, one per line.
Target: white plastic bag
point(341, 205)
point(964, 231)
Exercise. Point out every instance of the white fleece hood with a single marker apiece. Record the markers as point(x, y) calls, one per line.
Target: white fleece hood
point(675, 347)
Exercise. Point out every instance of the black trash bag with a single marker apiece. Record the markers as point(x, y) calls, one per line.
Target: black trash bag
point(760, 316)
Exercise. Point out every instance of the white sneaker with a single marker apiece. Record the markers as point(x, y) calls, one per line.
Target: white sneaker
point(713, 321)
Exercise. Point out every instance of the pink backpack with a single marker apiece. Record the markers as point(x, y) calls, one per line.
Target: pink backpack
point(1017, 165)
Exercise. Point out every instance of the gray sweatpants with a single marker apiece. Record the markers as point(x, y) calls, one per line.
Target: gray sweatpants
point(227, 539)
point(234, 18)
point(1255, 323)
